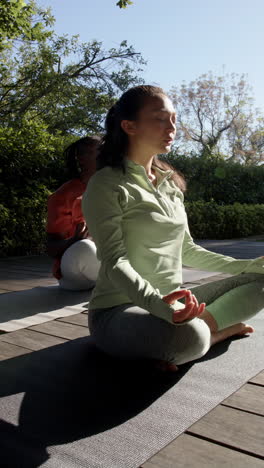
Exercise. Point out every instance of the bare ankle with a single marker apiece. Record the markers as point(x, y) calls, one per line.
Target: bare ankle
point(239, 329)
point(209, 320)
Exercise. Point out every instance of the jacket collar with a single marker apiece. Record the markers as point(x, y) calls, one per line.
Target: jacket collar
point(133, 167)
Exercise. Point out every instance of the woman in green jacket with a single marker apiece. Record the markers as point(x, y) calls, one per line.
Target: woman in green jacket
point(138, 222)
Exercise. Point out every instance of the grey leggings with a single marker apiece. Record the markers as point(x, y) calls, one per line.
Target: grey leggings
point(129, 332)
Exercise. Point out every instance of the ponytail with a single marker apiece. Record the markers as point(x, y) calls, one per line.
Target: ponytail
point(113, 147)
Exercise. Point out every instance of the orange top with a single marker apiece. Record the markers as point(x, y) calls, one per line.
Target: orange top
point(64, 213)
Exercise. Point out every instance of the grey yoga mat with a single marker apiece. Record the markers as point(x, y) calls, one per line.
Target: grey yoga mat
point(70, 406)
point(22, 309)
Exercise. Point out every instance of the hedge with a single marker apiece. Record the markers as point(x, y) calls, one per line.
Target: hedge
point(214, 179)
point(31, 167)
point(23, 225)
point(212, 221)
point(22, 228)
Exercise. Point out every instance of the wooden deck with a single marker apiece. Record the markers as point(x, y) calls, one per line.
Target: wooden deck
point(230, 435)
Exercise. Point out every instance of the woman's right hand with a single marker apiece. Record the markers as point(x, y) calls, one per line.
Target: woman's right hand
point(192, 307)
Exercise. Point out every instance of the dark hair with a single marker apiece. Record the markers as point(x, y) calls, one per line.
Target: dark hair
point(114, 144)
point(76, 149)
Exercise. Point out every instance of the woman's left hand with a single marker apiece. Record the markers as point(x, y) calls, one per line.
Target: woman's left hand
point(192, 307)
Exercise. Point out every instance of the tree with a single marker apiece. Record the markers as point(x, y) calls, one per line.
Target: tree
point(124, 3)
point(246, 138)
point(69, 84)
point(210, 111)
point(69, 96)
point(20, 20)
point(52, 90)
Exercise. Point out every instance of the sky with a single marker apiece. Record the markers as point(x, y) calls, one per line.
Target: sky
point(180, 40)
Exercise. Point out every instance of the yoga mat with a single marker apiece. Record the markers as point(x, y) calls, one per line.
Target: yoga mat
point(21, 309)
point(71, 406)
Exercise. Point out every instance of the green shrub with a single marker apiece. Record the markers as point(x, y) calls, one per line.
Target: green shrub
point(22, 226)
point(214, 179)
point(212, 221)
point(30, 155)
point(31, 167)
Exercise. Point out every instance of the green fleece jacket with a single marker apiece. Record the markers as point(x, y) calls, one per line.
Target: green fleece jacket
point(142, 238)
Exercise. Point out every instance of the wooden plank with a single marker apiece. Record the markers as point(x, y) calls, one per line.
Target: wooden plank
point(20, 273)
point(12, 287)
point(189, 452)
point(8, 351)
point(248, 398)
point(61, 329)
point(26, 284)
point(36, 272)
point(28, 268)
point(37, 265)
point(31, 339)
point(79, 319)
point(27, 265)
point(33, 281)
point(38, 262)
point(242, 431)
point(27, 259)
point(23, 275)
point(259, 379)
point(23, 272)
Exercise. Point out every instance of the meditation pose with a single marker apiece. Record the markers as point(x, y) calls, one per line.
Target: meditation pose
point(68, 239)
point(134, 208)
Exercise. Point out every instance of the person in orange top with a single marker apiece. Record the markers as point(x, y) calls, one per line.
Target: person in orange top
point(68, 241)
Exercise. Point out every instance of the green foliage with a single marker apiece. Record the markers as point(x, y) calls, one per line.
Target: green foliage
point(214, 179)
point(26, 152)
point(124, 3)
point(70, 96)
point(223, 199)
point(212, 221)
point(31, 167)
point(22, 230)
point(19, 19)
point(52, 91)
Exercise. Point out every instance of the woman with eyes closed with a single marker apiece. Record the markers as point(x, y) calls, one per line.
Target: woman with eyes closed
point(138, 222)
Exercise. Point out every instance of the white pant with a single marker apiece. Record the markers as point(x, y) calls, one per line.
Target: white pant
point(79, 266)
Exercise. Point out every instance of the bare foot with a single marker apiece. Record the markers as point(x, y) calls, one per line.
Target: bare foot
point(165, 366)
point(246, 329)
point(237, 329)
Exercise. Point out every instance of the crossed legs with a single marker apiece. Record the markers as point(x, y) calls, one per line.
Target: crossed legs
point(227, 311)
point(128, 331)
